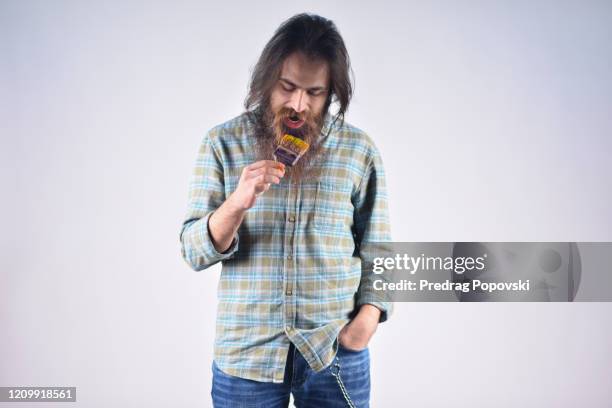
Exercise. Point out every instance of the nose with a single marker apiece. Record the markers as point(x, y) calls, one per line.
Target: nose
point(298, 100)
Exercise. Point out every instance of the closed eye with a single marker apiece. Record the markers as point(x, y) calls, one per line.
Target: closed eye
point(288, 88)
point(315, 93)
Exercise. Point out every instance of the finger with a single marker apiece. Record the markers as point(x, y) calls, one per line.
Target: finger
point(256, 165)
point(262, 163)
point(261, 188)
point(275, 171)
point(263, 180)
point(270, 165)
point(266, 171)
point(267, 179)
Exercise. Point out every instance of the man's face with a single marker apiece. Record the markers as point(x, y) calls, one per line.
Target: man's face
point(298, 98)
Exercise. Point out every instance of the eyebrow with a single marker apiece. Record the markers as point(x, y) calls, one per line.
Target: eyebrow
point(315, 88)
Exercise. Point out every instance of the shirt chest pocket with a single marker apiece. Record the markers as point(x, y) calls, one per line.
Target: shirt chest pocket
point(333, 208)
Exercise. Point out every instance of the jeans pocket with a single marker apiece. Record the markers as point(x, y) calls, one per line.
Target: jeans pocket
point(350, 350)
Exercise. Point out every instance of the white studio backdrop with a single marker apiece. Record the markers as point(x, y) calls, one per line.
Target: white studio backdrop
point(493, 120)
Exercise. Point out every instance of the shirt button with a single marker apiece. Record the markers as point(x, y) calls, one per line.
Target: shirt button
point(288, 292)
point(291, 218)
point(289, 256)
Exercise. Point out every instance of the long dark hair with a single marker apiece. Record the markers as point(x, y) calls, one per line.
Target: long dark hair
point(317, 38)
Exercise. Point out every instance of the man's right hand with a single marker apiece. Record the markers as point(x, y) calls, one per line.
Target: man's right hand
point(255, 179)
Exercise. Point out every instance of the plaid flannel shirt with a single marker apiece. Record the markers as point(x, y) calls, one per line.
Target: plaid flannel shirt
point(293, 272)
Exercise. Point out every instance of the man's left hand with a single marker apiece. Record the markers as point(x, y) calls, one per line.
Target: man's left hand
point(357, 333)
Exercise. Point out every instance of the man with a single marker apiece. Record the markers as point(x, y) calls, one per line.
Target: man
point(295, 311)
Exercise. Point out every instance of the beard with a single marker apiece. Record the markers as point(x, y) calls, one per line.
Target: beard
point(270, 128)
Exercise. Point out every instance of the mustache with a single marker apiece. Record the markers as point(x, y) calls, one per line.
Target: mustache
point(280, 129)
point(284, 113)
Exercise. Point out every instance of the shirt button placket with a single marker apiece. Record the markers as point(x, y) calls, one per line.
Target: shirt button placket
point(290, 227)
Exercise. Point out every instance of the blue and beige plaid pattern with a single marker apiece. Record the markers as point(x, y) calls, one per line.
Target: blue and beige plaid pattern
point(294, 270)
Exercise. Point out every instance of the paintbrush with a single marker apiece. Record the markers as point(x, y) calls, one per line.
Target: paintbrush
point(290, 149)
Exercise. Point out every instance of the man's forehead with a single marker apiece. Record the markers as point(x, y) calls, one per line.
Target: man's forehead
point(305, 72)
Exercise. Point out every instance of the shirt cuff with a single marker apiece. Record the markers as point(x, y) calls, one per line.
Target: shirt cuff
point(204, 242)
point(386, 308)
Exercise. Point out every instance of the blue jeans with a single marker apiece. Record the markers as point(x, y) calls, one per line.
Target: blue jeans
point(344, 382)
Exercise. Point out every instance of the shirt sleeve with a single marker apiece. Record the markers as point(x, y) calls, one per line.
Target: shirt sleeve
point(371, 231)
point(206, 194)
